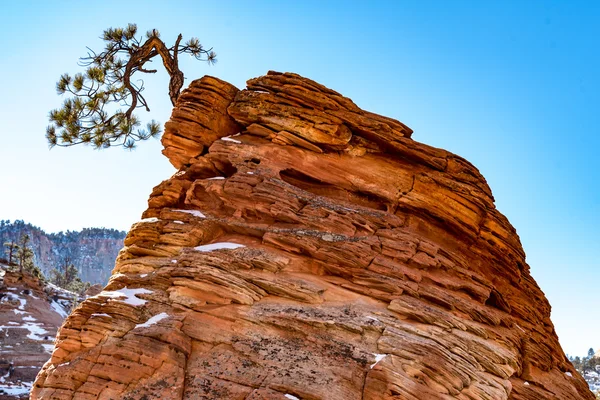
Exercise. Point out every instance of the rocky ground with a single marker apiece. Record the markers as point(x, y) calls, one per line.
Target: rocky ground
point(30, 315)
point(309, 249)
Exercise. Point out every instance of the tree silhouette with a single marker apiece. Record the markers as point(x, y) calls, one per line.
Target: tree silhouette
point(92, 114)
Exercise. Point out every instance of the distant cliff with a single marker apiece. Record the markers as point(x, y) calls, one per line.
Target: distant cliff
point(92, 250)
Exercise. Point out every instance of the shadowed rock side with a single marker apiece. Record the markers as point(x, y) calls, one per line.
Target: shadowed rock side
point(318, 253)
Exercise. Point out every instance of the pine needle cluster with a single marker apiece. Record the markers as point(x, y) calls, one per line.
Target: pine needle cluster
point(103, 98)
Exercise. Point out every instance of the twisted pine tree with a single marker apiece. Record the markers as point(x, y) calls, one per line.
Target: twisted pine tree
point(93, 114)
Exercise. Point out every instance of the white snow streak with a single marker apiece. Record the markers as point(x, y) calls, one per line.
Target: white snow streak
point(59, 309)
point(195, 213)
point(378, 357)
point(149, 220)
point(153, 320)
point(129, 294)
point(218, 246)
point(229, 139)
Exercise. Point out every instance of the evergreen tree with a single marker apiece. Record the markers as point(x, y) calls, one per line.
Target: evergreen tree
point(91, 114)
point(10, 251)
point(24, 254)
point(591, 353)
point(67, 277)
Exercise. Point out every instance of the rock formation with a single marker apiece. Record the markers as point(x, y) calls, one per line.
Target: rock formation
point(308, 249)
point(30, 315)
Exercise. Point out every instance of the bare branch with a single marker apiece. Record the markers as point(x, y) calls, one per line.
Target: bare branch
point(108, 81)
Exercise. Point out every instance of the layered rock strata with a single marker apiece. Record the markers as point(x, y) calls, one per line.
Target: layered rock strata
point(308, 249)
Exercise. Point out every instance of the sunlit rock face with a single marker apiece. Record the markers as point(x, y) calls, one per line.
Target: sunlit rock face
point(308, 249)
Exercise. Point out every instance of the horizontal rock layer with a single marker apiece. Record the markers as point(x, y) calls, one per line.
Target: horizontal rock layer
point(309, 249)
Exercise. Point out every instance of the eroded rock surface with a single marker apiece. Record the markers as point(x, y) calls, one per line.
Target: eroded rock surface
point(309, 249)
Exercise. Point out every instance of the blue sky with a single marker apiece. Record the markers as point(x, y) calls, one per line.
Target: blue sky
point(511, 86)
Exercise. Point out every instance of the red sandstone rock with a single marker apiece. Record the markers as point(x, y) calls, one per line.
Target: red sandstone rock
point(319, 254)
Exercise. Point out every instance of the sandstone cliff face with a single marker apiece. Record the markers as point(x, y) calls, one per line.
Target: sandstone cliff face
point(308, 249)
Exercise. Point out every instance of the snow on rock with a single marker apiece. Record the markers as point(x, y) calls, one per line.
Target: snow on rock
point(130, 295)
point(195, 213)
point(16, 390)
point(378, 357)
point(60, 309)
point(149, 220)
point(229, 139)
point(291, 397)
point(218, 246)
point(49, 348)
point(215, 178)
point(36, 332)
point(100, 315)
point(153, 320)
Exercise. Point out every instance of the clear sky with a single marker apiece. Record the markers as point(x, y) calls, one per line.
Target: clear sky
point(512, 86)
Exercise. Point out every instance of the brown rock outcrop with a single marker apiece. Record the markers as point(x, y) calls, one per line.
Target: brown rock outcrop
point(318, 253)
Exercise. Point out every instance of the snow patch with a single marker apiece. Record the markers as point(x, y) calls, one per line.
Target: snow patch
point(143, 275)
point(100, 315)
point(215, 178)
point(149, 220)
point(378, 357)
point(59, 309)
point(218, 246)
point(49, 348)
point(195, 213)
point(36, 332)
point(526, 383)
point(179, 222)
point(153, 320)
point(291, 397)
point(129, 294)
point(229, 139)
point(570, 375)
point(174, 261)
point(17, 390)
